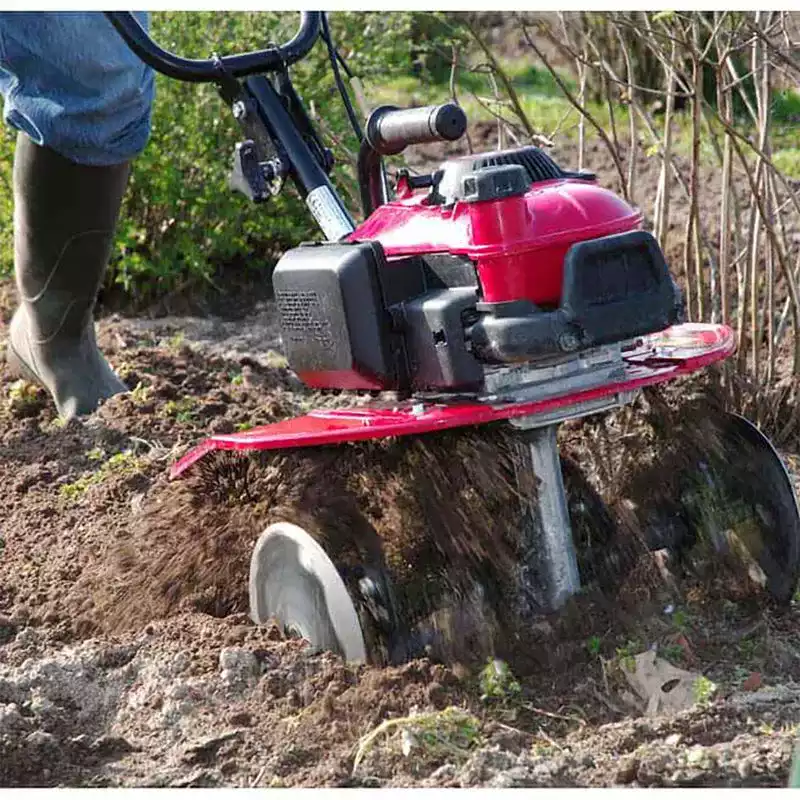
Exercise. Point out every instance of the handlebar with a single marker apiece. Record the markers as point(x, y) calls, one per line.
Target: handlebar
point(207, 70)
point(390, 130)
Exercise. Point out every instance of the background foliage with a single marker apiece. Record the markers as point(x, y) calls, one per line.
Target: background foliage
point(183, 230)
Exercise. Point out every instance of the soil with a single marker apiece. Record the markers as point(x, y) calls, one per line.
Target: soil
point(127, 657)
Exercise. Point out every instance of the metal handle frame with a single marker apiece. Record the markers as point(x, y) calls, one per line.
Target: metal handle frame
point(208, 70)
point(268, 113)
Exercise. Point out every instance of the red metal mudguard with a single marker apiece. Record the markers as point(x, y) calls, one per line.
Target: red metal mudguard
point(664, 356)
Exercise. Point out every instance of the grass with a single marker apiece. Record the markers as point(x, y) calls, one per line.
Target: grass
point(23, 397)
point(452, 734)
point(183, 410)
point(788, 161)
point(594, 645)
point(704, 690)
point(498, 683)
point(123, 463)
point(626, 655)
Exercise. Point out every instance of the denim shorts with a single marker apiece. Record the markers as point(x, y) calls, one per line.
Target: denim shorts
point(70, 82)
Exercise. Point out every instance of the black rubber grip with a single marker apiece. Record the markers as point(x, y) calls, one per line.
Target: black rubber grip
point(390, 130)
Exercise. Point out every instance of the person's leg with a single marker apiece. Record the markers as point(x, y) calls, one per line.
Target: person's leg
point(81, 103)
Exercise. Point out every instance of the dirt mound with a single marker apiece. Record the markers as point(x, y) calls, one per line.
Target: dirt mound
point(192, 703)
point(197, 701)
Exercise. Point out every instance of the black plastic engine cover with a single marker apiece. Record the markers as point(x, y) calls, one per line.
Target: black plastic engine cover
point(335, 327)
point(435, 340)
point(618, 287)
point(614, 289)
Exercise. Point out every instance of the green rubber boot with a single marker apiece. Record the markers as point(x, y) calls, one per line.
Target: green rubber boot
point(64, 219)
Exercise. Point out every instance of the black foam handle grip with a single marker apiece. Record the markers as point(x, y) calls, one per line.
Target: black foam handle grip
point(390, 130)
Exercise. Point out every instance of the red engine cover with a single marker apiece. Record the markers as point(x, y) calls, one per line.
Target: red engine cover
point(518, 243)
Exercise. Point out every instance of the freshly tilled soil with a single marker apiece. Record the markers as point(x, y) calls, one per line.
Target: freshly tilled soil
point(126, 657)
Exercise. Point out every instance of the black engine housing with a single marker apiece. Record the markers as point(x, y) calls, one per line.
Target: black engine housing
point(352, 319)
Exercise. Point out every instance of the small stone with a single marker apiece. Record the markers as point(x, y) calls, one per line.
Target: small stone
point(178, 691)
point(673, 739)
point(222, 425)
point(238, 665)
point(107, 744)
point(744, 768)
point(696, 756)
point(626, 771)
point(40, 739)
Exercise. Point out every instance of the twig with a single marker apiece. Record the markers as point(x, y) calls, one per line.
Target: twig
point(501, 73)
point(454, 95)
point(550, 740)
point(581, 109)
point(543, 713)
point(258, 777)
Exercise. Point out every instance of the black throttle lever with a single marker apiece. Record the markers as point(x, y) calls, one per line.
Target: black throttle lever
point(390, 129)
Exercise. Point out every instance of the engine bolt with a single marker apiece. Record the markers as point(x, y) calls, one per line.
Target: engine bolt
point(569, 341)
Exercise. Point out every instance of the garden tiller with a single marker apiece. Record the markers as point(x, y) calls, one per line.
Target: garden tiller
point(476, 309)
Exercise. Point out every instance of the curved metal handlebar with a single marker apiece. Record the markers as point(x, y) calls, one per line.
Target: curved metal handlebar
point(207, 70)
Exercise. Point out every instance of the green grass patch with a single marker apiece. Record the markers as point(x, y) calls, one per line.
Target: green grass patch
point(183, 410)
point(451, 734)
point(497, 682)
point(24, 397)
point(123, 463)
point(788, 162)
